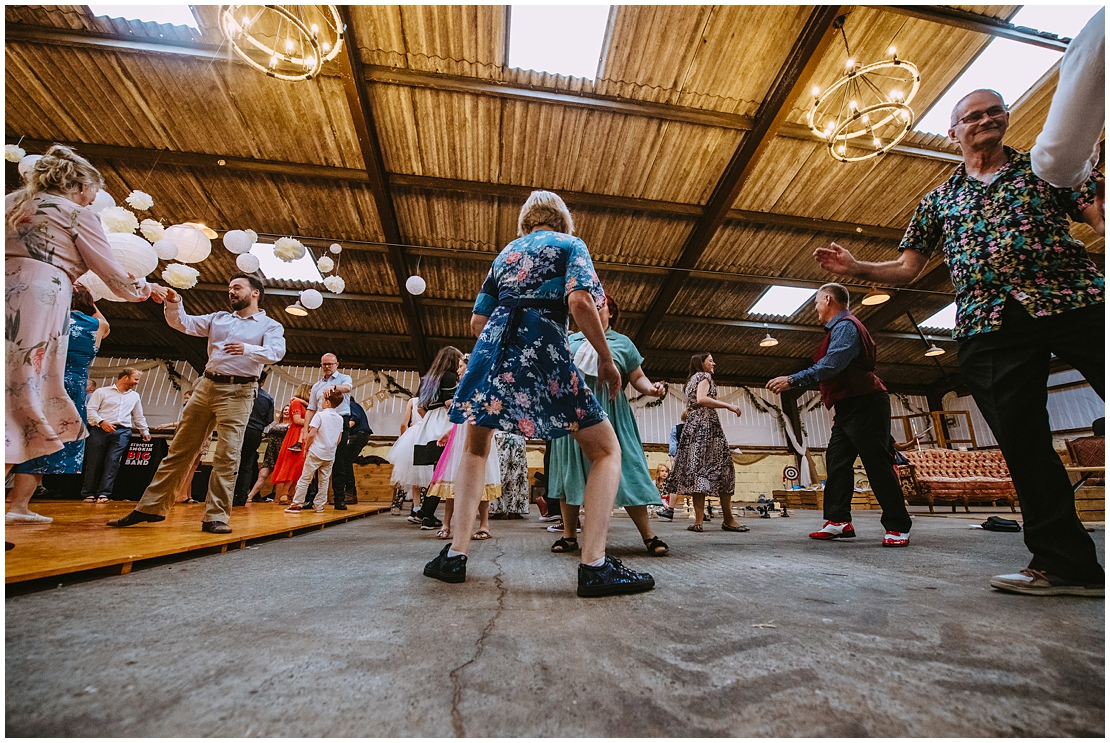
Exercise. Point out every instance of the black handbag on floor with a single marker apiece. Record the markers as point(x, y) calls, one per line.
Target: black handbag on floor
point(996, 523)
point(426, 454)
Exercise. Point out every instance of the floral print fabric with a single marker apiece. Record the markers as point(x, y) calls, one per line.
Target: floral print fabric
point(513, 451)
point(521, 377)
point(1010, 237)
point(703, 465)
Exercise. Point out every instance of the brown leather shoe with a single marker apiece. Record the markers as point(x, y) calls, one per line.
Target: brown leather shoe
point(350, 498)
point(215, 527)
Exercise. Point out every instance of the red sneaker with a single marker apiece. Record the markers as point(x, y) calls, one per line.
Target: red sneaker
point(896, 539)
point(835, 530)
point(293, 509)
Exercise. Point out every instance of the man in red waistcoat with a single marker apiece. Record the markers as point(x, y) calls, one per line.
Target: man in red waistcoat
point(844, 367)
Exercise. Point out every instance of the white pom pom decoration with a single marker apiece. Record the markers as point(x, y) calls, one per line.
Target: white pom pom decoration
point(14, 153)
point(152, 230)
point(193, 246)
point(102, 201)
point(288, 249)
point(180, 277)
point(238, 241)
point(335, 284)
point(27, 164)
point(416, 285)
point(247, 262)
point(336, 248)
point(118, 219)
point(311, 299)
point(166, 249)
point(253, 234)
point(325, 264)
point(139, 200)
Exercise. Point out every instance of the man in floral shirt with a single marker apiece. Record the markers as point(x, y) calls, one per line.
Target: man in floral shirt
point(1025, 289)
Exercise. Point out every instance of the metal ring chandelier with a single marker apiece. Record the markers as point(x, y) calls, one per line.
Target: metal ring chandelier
point(866, 111)
point(303, 37)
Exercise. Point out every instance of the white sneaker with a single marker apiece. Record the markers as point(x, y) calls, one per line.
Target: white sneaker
point(550, 517)
point(26, 518)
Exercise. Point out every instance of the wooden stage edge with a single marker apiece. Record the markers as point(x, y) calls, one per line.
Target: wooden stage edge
point(79, 544)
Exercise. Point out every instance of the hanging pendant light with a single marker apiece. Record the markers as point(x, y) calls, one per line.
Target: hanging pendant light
point(769, 341)
point(934, 350)
point(297, 310)
point(875, 296)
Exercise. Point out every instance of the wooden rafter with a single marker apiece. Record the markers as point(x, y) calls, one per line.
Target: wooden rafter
point(984, 24)
point(362, 116)
point(796, 70)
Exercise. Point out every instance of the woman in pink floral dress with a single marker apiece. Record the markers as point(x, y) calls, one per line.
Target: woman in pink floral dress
point(50, 240)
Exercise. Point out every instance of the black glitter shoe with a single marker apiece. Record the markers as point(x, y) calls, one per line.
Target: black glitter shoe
point(447, 569)
point(611, 579)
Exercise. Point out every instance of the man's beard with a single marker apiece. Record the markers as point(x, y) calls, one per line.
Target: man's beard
point(239, 303)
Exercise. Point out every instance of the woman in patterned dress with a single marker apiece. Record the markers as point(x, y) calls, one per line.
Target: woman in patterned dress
point(703, 464)
point(275, 436)
point(50, 240)
point(521, 379)
point(87, 328)
point(513, 452)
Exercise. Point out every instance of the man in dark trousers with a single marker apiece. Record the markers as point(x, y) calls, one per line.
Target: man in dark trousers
point(343, 477)
point(844, 367)
point(1025, 289)
point(262, 415)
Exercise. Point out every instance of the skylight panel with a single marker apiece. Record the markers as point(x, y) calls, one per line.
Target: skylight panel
point(945, 319)
point(302, 269)
point(782, 301)
point(177, 15)
point(560, 39)
point(1010, 67)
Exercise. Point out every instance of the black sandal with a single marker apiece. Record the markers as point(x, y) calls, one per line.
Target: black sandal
point(654, 544)
point(565, 545)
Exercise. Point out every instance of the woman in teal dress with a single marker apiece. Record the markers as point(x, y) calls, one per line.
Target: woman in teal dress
point(567, 478)
point(87, 328)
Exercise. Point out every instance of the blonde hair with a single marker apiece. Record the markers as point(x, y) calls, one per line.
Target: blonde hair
point(303, 392)
point(60, 170)
point(544, 207)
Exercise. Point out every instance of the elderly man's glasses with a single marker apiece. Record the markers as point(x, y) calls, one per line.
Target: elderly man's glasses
point(994, 112)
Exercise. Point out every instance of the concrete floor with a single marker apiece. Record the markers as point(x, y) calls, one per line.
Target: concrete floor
point(767, 633)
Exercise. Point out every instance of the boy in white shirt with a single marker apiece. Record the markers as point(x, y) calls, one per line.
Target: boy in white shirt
point(325, 431)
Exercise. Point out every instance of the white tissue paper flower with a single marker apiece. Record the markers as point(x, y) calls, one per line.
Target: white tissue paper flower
point(152, 230)
point(139, 200)
point(118, 219)
point(335, 284)
point(325, 264)
point(253, 234)
point(180, 276)
point(13, 153)
point(288, 249)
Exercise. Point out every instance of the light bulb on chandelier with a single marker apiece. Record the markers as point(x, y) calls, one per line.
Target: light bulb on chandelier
point(294, 40)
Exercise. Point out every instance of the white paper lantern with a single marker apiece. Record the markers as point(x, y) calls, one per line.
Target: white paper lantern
point(166, 249)
point(336, 248)
point(27, 163)
point(102, 201)
point(238, 241)
point(135, 254)
point(193, 246)
point(247, 262)
point(311, 299)
point(416, 285)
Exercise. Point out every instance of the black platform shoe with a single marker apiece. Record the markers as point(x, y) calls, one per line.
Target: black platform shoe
point(611, 579)
point(447, 569)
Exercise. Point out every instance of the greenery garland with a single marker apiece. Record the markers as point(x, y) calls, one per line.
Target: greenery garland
point(172, 373)
point(657, 401)
point(391, 385)
point(771, 409)
point(907, 406)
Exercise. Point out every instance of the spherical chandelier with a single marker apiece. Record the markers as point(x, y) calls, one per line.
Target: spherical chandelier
point(866, 112)
point(287, 42)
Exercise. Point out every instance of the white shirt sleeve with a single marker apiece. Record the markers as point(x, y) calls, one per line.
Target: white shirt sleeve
point(272, 349)
point(92, 407)
point(138, 418)
point(1067, 147)
point(198, 325)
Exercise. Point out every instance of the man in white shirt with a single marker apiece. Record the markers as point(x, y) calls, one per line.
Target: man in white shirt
point(240, 344)
point(112, 412)
point(333, 379)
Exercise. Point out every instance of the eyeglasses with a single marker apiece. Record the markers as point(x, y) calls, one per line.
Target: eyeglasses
point(994, 112)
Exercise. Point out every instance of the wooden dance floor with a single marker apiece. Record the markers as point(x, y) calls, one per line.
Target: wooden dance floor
point(78, 541)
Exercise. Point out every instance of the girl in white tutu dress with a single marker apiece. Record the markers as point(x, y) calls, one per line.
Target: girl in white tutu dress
point(416, 453)
point(443, 481)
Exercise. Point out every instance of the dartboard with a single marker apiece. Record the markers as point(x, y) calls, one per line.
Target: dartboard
point(790, 472)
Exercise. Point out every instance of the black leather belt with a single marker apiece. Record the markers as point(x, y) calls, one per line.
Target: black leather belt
point(224, 379)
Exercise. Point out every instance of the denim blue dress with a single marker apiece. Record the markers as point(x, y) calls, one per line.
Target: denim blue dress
point(521, 377)
point(80, 353)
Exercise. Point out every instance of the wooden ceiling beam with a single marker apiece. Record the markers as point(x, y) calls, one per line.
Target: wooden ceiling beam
point(983, 24)
point(147, 157)
point(362, 116)
point(23, 33)
point(800, 63)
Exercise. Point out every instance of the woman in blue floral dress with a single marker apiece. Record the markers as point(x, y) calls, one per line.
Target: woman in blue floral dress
point(521, 379)
point(87, 328)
